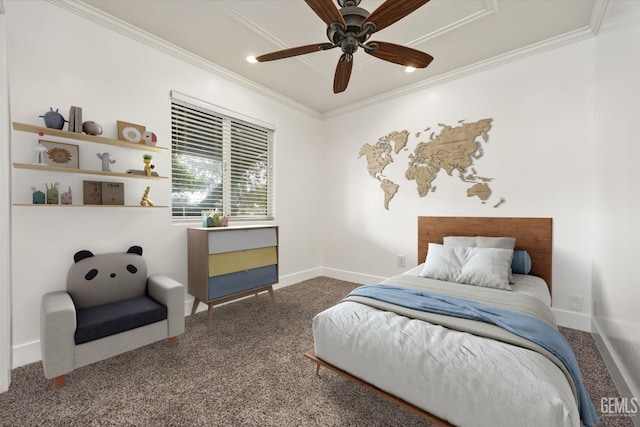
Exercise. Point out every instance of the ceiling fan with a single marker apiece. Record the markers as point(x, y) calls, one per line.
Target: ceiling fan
point(350, 28)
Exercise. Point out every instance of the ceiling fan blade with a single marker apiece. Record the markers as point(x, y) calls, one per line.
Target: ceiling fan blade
point(327, 11)
point(391, 11)
point(401, 55)
point(343, 73)
point(294, 51)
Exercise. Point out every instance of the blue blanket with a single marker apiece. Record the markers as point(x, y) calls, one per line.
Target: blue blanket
point(525, 326)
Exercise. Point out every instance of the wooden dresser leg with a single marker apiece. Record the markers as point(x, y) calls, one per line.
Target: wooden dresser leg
point(58, 381)
point(195, 306)
point(273, 298)
point(173, 341)
point(210, 315)
point(317, 369)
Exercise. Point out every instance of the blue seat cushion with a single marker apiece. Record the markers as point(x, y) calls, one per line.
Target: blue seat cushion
point(108, 319)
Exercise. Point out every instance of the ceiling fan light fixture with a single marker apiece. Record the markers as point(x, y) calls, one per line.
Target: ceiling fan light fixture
point(409, 69)
point(252, 59)
point(354, 17)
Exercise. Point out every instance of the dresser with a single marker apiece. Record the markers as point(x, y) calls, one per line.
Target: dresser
point(226, 263)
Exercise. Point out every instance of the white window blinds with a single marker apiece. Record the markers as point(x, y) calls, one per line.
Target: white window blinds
point(219, 162)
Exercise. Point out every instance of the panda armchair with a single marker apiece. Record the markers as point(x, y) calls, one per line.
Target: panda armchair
point(110, 306)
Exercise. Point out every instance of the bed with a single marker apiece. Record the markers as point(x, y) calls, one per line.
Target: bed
point(459, 354)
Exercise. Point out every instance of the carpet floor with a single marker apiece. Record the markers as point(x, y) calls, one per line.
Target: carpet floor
point(247, 370)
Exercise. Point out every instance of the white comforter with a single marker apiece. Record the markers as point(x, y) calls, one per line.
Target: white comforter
point(462, 378)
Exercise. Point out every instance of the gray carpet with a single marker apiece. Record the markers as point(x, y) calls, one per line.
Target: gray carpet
point(248, 370)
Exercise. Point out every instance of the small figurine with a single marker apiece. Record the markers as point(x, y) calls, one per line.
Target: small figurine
point(53, 119)
point(212, 218)
point(38, 197)
point(52, 194)
point(92, 128)
point(150, 138)
point(107, 161)
point(145, 198)
point(65, 198)
point(40, 150)
point(147, 164)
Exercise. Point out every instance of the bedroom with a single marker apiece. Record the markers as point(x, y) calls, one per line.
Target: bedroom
point(581, 104)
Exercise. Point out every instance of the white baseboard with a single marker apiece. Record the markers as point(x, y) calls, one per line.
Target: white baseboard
point(621, 378)
point(351, 276)
point(25, 354)
point(572, 319)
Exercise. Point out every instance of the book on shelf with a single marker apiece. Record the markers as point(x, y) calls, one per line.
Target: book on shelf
point(72, 119)
point(140, 172)
point(78, 120)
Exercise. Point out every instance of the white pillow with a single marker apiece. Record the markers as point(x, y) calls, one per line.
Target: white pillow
point(480, 241)
point(486, 267)
point(483, 242)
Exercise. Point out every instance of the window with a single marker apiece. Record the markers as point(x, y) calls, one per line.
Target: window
point(219, 161)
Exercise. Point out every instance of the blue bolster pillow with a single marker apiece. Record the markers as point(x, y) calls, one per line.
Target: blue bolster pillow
point(521, 263)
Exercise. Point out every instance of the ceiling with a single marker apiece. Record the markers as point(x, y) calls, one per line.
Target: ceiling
point(462, 36)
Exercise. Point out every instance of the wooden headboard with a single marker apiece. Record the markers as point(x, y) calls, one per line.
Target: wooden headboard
point(532, 234)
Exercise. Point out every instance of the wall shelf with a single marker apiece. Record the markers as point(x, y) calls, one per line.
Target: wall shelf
point(84, 137)
point(89, 206)
point(35, 166)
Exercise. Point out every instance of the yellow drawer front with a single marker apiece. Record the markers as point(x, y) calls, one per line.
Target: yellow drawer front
point(230, 262)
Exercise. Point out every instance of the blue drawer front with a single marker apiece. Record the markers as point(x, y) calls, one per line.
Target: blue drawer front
point(231, 283)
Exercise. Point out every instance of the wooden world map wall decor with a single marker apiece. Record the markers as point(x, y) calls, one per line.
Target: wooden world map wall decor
point(453, 149)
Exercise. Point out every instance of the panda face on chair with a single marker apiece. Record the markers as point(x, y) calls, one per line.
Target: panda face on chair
point(105, 278)
point(94, 270)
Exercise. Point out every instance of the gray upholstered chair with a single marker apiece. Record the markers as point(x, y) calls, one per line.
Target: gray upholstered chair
point(110, 307)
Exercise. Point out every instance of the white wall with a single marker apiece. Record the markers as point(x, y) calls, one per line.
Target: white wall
point(616, 286)
point(5, 214)
point(58, 59)
point(540, 154)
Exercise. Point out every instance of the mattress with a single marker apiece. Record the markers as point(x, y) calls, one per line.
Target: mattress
point(466, 379)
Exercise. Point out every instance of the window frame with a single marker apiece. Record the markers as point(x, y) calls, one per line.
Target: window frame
point(230, 141)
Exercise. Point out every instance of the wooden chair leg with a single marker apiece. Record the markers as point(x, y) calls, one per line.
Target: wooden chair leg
point(173, 341)
point(58, 381)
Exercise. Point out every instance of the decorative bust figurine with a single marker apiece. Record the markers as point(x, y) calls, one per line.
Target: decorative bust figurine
point(147, 164)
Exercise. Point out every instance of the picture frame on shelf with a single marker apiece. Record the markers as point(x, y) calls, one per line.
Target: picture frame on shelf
point(131, 132)
point(61, 155)
point(92, 192)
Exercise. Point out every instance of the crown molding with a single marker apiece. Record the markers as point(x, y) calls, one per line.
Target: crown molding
point(490, 6)
point(597, 14)
point(95, 15)
point(497, 61)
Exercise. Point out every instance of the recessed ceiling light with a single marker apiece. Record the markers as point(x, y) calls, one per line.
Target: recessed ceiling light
point(409, 69)
point(251, 59)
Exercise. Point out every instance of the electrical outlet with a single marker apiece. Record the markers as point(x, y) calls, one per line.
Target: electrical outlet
point(576, 302)
point(402, 261)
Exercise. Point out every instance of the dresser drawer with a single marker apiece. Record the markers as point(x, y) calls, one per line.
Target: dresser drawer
point(236, 240)
point(230, 262)
point(232, 283)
